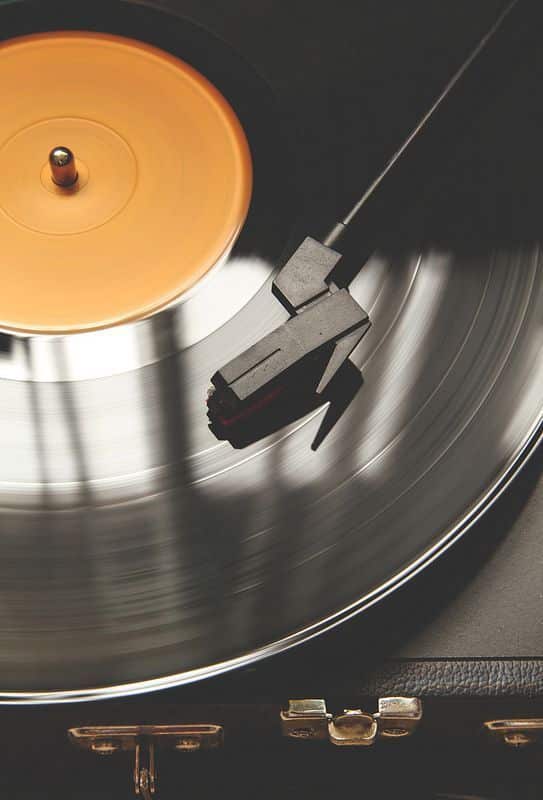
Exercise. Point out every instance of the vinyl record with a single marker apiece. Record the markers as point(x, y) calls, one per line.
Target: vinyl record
point(137, 550)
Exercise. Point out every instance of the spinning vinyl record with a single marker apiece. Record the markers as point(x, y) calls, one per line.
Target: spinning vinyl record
point(138, 550)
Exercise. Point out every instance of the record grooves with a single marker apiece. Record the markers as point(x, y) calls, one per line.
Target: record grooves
point(138, 550)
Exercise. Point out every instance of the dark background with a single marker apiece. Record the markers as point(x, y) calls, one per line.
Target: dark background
point(467, 633)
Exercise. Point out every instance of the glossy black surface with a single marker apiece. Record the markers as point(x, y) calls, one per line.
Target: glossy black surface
point(134, 546)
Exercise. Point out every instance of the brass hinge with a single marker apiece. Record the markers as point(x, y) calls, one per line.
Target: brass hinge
point(395, 718)
point(143, 740)
point(516, 732)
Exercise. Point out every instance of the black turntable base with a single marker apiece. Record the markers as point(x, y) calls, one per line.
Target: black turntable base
point(278, 535)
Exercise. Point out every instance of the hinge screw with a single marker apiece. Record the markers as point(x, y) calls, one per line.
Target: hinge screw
point(395, 733)
point(187, 745)
point(104, 748)
point(302, 733)
point(518, 739)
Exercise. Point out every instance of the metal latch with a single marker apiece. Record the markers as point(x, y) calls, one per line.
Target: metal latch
point(395, 718)
point(516, 732)
point(143, 740)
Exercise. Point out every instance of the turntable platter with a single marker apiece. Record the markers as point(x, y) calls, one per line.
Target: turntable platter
point(138, 552)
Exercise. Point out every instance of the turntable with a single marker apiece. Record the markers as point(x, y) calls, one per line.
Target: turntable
point(271, 344)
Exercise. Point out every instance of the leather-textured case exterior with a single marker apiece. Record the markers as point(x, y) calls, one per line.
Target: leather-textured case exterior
point(476, 677)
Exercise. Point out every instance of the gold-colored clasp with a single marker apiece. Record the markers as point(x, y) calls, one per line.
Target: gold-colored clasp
point(516, 732)
point(353, 728)
point(305, 719)
point(143, 740)
point(398, 716)
point(309, 719)
point(145, 770)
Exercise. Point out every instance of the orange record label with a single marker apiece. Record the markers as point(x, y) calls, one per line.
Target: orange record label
point(164, 180)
